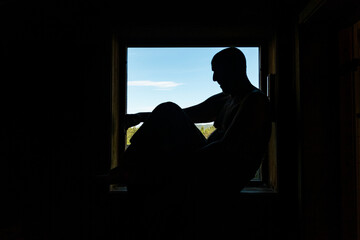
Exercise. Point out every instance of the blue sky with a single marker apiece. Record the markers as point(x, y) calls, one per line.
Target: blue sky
point(180, 75)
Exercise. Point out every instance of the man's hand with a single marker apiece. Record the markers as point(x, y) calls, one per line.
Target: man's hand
point(134, 119)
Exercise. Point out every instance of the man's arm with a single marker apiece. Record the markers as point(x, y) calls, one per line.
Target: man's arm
point(208, 110)
point(135, 119)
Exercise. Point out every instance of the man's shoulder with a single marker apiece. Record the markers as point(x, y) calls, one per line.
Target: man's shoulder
point(258, 96)
point(220, 97)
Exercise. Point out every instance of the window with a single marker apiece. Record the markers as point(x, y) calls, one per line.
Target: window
point(179, 74)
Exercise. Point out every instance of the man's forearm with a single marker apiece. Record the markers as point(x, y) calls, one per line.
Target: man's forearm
point(208, 110)
point(195, 114)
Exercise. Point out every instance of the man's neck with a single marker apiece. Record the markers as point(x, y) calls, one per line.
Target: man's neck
point(243, 90)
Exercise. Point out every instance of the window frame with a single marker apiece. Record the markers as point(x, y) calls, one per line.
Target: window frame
point(119, 102)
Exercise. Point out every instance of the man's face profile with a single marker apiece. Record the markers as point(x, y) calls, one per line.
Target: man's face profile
point(223, 77)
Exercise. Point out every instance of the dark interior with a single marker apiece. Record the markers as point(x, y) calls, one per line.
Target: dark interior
point(56, 111)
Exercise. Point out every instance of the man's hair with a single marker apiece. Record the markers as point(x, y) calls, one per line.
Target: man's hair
point(232, 58)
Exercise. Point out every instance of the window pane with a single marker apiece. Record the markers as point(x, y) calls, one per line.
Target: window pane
point(180, 75)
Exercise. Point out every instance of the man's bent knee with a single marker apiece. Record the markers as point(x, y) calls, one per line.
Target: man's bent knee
point(167, 107)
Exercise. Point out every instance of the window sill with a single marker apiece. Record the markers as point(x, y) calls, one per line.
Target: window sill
point(262, 191)
point(258, 191)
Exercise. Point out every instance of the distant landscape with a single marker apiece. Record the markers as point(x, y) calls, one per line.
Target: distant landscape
point(205, 129)
point(204, 125)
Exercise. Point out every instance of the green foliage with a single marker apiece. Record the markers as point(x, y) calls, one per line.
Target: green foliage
point(129, 133)
point(208, 131)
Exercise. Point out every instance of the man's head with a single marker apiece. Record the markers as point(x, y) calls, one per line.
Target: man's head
point(229, 66)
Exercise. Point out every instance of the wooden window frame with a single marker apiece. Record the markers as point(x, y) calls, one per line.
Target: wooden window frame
point(268, 181)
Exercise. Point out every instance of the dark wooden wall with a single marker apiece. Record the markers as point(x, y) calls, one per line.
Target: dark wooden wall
point(55, 118)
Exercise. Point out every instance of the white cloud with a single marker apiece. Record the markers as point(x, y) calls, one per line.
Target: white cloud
point(160, 85)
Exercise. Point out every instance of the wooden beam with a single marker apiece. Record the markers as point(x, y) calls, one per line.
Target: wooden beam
point(310, 9)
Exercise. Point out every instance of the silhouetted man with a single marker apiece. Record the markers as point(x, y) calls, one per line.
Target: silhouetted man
point(180, 182)
point(169, 145)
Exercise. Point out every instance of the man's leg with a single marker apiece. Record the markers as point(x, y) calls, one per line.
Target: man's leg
point(169, 129)
point(160, 153)
point(164, 144)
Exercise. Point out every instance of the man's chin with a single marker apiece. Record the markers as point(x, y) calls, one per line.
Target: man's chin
point(225, 90)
